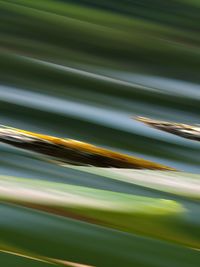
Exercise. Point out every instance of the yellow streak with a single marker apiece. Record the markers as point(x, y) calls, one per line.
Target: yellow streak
point(88, 148)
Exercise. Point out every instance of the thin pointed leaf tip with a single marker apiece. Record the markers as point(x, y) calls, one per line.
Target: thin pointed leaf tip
point(183, 130)
point(72, 151)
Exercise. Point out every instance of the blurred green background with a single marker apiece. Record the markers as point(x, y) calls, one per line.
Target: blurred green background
point(83, 70)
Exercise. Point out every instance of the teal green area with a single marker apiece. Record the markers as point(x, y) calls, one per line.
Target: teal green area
point(84, 70)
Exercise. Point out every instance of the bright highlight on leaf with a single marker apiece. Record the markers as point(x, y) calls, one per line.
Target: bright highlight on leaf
point(133, 214)
point(176, 183)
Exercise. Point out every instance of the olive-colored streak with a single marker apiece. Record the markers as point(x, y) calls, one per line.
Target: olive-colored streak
point(183, 130)
point(72, 151)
